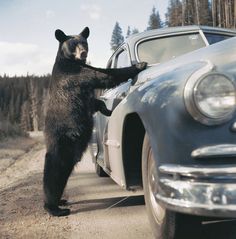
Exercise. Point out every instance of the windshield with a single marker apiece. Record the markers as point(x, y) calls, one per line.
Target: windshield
point(214, 38)
point(158, 50)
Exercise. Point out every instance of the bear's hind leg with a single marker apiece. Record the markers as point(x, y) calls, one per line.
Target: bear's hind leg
point(57, 170)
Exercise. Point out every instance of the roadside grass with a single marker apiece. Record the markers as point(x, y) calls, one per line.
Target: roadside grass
point(8, 130)
point(14, 145)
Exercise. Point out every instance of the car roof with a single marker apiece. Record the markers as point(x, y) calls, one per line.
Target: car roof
point(133, 39)
point(175, 30)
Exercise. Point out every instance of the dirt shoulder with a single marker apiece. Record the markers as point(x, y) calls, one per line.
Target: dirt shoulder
point(12, 148)
point(21, 196)
point(21, 163)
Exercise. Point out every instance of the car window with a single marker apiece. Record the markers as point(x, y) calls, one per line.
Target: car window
point(159, 50)
point(214, 38)
point(122, 60)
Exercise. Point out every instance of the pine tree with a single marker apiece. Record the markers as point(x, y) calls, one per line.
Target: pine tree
point(25, 117)
point(160, 24)
point(117, 37)
point(154, 20)
point(205, 13)
point(135, 31)
point(175, 14)
point(190, 12)
point(196, 12)
point(22, 101)
point(224, 13)
point(34, 105)
point(128, 32)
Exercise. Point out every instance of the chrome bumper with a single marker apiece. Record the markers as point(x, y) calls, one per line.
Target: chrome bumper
point(206, 191)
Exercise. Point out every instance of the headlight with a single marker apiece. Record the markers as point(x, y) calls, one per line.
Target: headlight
point(211, 99)
point(215, 96)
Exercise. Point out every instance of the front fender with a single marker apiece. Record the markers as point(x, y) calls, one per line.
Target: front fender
point(151, 101)
point(174, 134)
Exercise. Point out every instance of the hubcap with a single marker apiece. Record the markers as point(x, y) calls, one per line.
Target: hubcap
point(157, 210)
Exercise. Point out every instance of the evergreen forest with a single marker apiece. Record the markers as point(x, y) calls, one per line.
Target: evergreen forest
point(22, 104)
point(23, 99)
point(216, 13)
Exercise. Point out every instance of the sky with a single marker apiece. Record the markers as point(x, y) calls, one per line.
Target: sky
point(27, 42)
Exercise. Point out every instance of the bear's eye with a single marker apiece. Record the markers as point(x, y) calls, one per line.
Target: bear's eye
point(73, 44)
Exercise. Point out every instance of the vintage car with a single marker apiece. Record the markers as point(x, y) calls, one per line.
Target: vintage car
point(173, 128)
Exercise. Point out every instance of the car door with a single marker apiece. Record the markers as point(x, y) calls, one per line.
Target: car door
point(112, 98)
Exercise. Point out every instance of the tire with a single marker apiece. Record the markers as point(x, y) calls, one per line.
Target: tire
point(99, 171)
point(165, 224)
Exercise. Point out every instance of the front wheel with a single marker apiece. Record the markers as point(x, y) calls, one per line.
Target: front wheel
point(165, 224)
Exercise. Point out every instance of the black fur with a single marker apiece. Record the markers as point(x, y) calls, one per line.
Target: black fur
point(69, 118)
point(99, 105)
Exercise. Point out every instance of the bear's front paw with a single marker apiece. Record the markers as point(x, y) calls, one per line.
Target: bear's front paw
point(141, 66)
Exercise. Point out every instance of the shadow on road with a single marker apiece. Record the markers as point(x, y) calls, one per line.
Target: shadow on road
point(107, 203)
point(219, 230)
point(225, 229)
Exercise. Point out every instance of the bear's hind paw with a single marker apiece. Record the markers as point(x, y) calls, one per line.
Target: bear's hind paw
point(56, 211)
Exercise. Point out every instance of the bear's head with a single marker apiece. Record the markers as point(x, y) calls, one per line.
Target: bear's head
point(73, 47)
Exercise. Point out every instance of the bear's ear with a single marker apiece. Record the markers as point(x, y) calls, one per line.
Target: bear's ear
point(85, 32)
point(60, 35)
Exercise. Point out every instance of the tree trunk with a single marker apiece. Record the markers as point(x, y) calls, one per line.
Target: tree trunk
point(34, 113)
point(219, 13)
point(213, 9)
point(197, 11)
point(183, 11)
point(234, 14)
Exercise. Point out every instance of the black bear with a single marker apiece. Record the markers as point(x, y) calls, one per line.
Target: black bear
point(69, 117)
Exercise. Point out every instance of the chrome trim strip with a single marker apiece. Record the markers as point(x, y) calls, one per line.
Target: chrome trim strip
point(112, 143)
point(206, 199)
point(189, 91)
point(204, 37)
point(234, 127)
point(195, 171)
point(215, 151)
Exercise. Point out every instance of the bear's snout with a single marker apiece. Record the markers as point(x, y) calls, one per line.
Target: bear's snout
point(80, 53)
point(83, 55)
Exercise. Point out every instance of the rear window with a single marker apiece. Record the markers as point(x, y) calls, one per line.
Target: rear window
point(214, 38)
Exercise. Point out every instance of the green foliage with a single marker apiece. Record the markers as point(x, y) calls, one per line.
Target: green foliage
point(117, 37)
point(135, 31)
point(131, 31)
point(201, 12)
point(154, 20)
point(21, 100)
point(11, 130)
point(174, 14)
point(128, 32)
point(223, 13)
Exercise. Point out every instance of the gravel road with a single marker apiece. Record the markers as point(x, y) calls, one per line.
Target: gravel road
point(100, 208)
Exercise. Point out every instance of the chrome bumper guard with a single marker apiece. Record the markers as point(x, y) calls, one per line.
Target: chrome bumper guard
point(206, 191)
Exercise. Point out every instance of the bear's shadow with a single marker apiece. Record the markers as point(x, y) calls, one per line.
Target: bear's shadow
point(106, 203)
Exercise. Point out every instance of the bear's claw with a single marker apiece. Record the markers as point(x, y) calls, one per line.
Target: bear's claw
point(141, 66)
point(63, 202)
